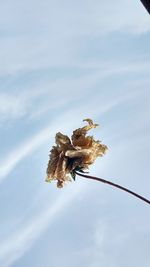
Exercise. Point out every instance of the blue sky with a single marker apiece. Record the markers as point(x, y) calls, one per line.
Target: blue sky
point(61, 62)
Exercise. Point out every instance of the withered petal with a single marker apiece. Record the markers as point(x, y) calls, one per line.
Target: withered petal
point(75, 154)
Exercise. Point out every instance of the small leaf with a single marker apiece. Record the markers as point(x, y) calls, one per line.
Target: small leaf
point(73, 175)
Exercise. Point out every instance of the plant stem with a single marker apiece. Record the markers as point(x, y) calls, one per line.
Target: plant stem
point(146, 3)
point(115, 185)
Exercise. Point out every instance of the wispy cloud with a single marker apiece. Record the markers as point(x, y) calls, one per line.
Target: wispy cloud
point(25, 149)
point(63, 61)
point(11, 106)
point(20, 242)
point(124, 16)
point(56, 94)
point(23, 46)
point(15, 105)
point(28, 147)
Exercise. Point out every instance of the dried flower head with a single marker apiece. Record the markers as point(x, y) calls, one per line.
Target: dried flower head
point(68, 156)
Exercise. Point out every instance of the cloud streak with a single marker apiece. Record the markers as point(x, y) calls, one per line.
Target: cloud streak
point(19, 243)
point(62, 30)
point(21, 152)
point(28, 147)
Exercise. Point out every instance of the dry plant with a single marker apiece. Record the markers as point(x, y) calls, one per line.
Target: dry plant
point(73, 156)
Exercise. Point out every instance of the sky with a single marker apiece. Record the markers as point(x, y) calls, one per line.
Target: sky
point(61, 62)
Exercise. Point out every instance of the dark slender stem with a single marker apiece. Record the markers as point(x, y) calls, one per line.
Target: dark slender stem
point(115, 185)
point(146, 3)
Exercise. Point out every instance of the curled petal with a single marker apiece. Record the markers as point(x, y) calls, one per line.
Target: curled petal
point(82, 131)
point(75, 154)
point(62, 140)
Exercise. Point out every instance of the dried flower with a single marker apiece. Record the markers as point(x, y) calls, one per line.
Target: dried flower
point(68, 156)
